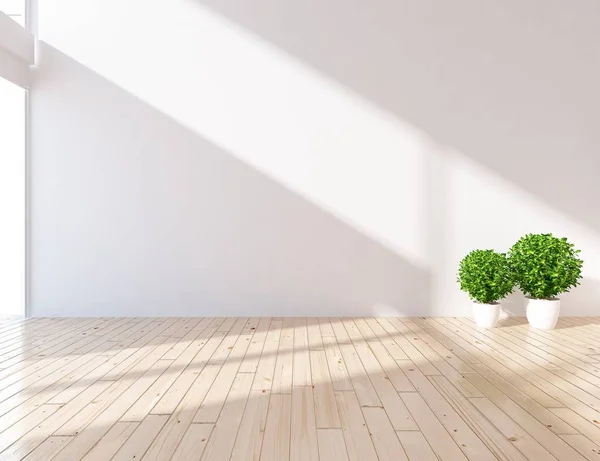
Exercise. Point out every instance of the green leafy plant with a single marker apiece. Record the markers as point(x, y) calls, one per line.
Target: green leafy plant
point(486, 276)
point(544, 265)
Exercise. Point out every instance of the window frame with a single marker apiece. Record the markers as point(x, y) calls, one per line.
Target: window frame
point(20, 50)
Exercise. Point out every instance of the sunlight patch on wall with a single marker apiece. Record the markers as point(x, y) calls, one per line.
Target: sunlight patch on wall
point(271, 111)
point(428, 203)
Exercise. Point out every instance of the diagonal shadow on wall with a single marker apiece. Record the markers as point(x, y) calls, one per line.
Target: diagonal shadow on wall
point(167, 223)
point(511, 86)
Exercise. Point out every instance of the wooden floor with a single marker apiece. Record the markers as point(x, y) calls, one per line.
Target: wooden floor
point(276, 389)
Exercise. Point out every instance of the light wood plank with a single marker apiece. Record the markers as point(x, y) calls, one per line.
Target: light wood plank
point(325, 407)
point(179, 374)
point(358, 441)
point(276, 442)
point(48, 448)
point(544, 393)
point(250, 363)
point(554, 423)
point(137, 444)
point(539, 431)
point(373, 330)
point(180, 387)
point(339, 374)
point(325, 327)
point(591, 429)
point(493, 439)
point(315, 342)
point(304, 445)
point(301, 366)
point(398, 330)
point(115, 399)
point(532, 449)
point(252, 428)
point(282, 378)
point(416, 447)
point(89, 433)
point(16, 431)
point(114, 439)
point(568, 382)
point(332, 446)
point(438, 438)
point(583, 445)
point(193, 443)
point(463, 435)
point(393, 372)
point(386, 441)
point(213, 403)
point(361, 383)
point(30, 440)
point(266, 365)
point(165, 444)
point(221, 442)
point(390, 400)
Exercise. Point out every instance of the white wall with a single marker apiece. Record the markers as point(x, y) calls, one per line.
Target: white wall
point(300, 157)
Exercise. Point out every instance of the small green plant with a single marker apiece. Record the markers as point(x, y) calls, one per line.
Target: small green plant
point(545, 266)
point(485, 275)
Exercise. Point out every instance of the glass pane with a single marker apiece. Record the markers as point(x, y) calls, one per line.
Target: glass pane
point(15, 9)
point(12, 6)
point(12, 200)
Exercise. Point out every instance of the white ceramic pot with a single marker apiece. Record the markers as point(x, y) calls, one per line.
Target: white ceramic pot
point(543, 313)
point(486, 315)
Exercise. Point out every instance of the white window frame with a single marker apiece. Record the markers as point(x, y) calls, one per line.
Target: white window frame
point(16, 52)
point(17, 56)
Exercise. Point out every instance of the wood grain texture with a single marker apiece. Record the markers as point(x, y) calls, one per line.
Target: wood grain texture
point(298, 389)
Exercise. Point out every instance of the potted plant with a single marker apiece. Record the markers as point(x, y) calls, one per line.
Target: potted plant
point(544, 267)
point(486, 276)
